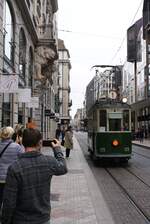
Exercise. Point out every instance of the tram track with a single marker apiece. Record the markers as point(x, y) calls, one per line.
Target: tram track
point(139, 178)
point(129, 196)
point(145, 156)
point(129, 182)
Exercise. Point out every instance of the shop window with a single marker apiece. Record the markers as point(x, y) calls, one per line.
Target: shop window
point(6, 114)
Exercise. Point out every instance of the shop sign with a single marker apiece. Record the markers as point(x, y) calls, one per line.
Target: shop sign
point(24, 95)
point(34, 103)
point(8, 83)
point(48, 113)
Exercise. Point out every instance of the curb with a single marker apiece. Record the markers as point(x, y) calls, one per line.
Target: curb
point(144, 146)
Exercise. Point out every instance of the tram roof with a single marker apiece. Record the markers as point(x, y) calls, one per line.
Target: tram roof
point(109, 103)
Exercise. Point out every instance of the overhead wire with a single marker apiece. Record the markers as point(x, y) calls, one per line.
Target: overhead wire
point(103, 36)
point(87, 34)
point(120, 46)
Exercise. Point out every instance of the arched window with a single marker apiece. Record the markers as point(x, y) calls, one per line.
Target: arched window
point(22, 54)
point(38, 8)
point(8, 32)
point(30, 68)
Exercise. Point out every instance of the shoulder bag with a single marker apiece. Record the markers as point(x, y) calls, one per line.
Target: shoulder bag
point(4, 149)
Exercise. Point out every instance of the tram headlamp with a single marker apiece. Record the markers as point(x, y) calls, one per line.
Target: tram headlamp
point(115, 142)
point(124, 99)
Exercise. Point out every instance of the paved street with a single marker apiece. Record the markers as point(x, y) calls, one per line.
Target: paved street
point(87, 194)
point(76, 197)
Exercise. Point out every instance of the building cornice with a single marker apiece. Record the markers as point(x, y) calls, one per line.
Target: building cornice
point(27, 20)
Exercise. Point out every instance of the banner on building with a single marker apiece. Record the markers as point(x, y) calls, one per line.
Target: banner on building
point(8, 83)
point(34, 103)
point(24, 95)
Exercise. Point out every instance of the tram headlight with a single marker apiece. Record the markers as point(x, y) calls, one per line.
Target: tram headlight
point(115, 143)
point(124, 99)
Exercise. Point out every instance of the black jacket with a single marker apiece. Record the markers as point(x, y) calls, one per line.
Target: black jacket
point(27, 189)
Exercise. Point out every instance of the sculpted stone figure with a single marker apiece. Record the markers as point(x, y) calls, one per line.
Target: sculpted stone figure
point(43, 58)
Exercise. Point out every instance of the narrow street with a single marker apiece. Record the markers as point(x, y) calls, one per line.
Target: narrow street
point(126, 188)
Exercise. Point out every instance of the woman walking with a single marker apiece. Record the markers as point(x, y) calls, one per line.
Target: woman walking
point(68, 141)
point(9, 151)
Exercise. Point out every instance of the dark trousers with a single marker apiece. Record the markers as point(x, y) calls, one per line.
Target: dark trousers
point(67, 152)
point(2, 185)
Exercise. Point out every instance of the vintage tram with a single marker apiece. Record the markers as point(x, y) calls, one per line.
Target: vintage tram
point(109, 130)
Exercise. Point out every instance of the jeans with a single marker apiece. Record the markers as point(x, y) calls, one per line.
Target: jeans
point(67, 152)
point(2, 185)
point(48, 222)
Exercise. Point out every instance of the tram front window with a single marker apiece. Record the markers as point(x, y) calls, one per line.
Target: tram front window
point(114, 124)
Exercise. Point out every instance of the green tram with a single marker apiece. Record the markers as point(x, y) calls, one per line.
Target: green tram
point(109, 130)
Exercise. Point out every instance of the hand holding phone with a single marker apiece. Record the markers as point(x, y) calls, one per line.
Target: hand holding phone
point(55, 143)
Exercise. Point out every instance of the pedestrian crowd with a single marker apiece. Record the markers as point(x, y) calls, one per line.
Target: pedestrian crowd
point(25, 173)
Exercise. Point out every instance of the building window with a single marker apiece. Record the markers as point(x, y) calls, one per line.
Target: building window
point(8, 32)
point(30, 68)
point(28, 3)
point(22, 57)
point(38, 8)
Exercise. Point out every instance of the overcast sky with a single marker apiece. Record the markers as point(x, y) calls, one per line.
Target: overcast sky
point(97, 28)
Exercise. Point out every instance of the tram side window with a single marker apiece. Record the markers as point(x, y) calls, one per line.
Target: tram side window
point(102, 120)
point(126, 120)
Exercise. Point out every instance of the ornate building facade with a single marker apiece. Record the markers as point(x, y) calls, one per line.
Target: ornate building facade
point(64, 84)
point(28, 63)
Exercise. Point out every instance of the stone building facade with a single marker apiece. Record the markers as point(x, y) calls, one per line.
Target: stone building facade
point(28, 51)
point(137, 71)
point(64, 84)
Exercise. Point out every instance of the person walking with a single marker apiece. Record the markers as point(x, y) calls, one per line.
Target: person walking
point(68, 141)
point(63, 136)
point(9, 151)
point(141, 134)
point(58, 132)
point(27, 190)
point(17, 136)
point(31, 123)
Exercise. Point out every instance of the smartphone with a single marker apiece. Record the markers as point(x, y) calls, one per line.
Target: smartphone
point(48, 142)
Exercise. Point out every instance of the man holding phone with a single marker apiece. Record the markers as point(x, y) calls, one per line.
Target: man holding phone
point(27, 190)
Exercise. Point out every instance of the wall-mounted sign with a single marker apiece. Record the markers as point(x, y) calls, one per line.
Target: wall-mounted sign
point(34, 103)
point(48, 113)
point(24, 95)
point(8, 83)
